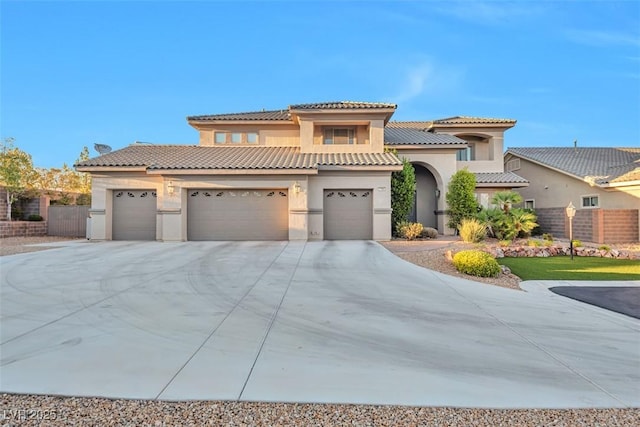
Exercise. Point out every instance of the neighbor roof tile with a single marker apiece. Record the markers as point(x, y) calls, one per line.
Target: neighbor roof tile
point(600, 165)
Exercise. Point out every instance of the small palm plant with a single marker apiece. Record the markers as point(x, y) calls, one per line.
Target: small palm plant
point(506, 199)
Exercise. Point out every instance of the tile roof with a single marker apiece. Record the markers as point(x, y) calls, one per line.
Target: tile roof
point(342, 105)
point(499, 178)
point(156, 157)
point(408, 136)
point(285, 114)
point(409, 125)
point(466, 120)
point(599, 165)
point(277, 115)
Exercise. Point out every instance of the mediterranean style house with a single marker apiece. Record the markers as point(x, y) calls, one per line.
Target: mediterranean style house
point(307, 172)
point(602, 183)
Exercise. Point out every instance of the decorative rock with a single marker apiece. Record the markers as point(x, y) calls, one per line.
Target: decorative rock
point(505, 269)
point(448, 256)
point(544, 252)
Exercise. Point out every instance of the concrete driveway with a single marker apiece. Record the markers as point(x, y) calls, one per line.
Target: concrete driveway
point(341, 322)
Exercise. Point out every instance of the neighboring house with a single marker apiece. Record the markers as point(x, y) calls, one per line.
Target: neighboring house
point(602, 183)
point(311, 171)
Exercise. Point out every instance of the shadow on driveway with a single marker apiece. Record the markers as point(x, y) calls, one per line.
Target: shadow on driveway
point(625, 300)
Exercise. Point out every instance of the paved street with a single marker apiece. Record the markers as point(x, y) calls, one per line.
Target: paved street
point(341, 322)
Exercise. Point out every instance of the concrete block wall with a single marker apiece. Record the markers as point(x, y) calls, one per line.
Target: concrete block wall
point(582, 225)
point(22, 228)
point(620, 225)
point(552, 220)
point(592, 225)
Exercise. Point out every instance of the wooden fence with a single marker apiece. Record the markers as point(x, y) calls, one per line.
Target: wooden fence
point(68, 221)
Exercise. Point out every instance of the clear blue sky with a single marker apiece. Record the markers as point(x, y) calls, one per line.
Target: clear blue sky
point(75, 73)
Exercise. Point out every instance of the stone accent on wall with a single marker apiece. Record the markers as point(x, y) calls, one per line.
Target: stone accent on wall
point(23, 228)
point(545, 252)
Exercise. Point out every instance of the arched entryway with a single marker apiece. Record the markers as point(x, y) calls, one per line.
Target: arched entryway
point(425, 204)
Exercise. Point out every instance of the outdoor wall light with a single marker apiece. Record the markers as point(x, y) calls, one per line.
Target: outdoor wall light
point(437, 193)
point(170, 188)
point(296, 187)
point(571, 212)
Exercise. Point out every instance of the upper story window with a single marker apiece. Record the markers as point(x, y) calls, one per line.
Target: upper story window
point(339, 136)
point(466, 154)
point(513, 165)
point(236, 138)
point(590, 201)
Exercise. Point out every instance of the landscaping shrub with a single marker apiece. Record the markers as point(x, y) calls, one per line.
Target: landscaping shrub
point(403, 187)
point(533, 243)
point(504, 243)
point(34, 217)
point(430, 233)
point(577, 243)
point(460, 197)
point(547, 236)
point(505, 222)
point(605, 248)
point(476, 263)
point(409, 230)
point(472, 230)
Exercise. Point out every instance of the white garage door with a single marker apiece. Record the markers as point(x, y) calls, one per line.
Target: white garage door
point(244, 214)
point(348, 214)
point(134, 215)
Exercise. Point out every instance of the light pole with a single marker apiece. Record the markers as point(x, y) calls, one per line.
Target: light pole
point(571, 212)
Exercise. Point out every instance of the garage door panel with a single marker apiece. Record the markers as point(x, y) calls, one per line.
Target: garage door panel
point(134, 215)
point(238, 215)
point(348, 214)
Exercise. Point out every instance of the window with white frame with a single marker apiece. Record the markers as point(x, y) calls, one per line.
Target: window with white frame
point(333, 135)
point(530, 204)
point(590, 201)
point(236, 137)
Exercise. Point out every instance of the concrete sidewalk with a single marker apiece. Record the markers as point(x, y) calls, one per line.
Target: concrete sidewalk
point(340, 322)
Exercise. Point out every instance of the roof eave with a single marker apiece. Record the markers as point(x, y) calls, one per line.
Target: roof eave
point(433, 146)
point(380, 168)
point(494, 125)
point(111, 168)
point(502, 184)
point(620, 184)
point(245, 171)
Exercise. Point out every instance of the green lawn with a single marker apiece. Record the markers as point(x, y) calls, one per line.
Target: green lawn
point(581, 268)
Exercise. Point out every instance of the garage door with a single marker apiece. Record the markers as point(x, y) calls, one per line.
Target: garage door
point(237, 215)
point(134, 215)
point(348, 215)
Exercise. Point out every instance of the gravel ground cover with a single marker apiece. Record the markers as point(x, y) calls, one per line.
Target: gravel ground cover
point(431, 254)
point(26, 410)
point(19, 245)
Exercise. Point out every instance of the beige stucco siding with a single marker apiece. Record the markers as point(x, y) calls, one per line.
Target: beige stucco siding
point(280, 135)
point(552, 189)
